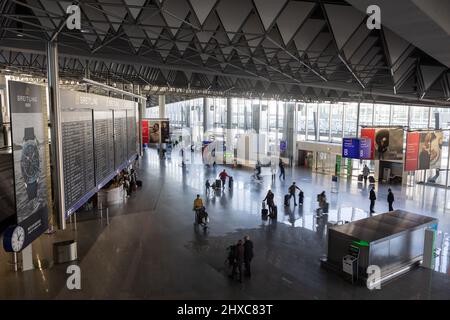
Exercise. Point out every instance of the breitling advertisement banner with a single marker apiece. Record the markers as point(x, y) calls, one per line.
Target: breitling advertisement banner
point(29, 156)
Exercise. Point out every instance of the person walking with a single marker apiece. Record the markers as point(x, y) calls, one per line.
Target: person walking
point(238, 260)
point(372, 198)
point(282, 173)
point(223, 177)
point(291, 191)
point(248, 255)
point(207, 187)
point(269, 198)
point(390, 199)
point(366, 172)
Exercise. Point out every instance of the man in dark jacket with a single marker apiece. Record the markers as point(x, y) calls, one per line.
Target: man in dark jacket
point(390, 199)
point(238, 261)
point(248, 255)
point(282, 173)
point(372, 198)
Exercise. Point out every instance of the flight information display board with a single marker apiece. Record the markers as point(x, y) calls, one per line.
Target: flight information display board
point(103, 146)
point(96, 143)
point(78, 156)
point(120, 137)
point(131, 133)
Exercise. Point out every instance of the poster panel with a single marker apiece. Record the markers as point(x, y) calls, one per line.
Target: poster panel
point(165, 133)
point(386, 144)
point(412, 151)
point(145, 131)
point(436, 149)
point(154, 131)
point(350, 148)
point(29, 156)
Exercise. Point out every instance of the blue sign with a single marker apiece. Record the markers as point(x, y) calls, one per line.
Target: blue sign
point(283, 145)
point(365, 148)
point(350, 148)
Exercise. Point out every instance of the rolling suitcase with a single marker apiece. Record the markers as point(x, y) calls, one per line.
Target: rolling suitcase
point(286, 199)
point(360, 178)
point(371, 179)
point(264, 210)
point(218, 184)
point(230, 182)
point(139, 183)
point(300, 198)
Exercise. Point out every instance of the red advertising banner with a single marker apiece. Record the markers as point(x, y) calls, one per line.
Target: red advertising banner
point(369, 133)
point(144, 131)
point(412, 151)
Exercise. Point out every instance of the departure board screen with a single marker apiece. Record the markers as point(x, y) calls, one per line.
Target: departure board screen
point(103, 145)
point(78, 156)
point(131, 133)
point(120, 137)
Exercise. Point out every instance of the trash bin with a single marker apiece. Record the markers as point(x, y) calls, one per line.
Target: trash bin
point(65, 251)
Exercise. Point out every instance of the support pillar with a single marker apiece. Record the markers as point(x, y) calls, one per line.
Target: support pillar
point(289, 132)
point(205, 116)
point(141, 115)
point(162, 106)
point(229, 132)
point(55, 126)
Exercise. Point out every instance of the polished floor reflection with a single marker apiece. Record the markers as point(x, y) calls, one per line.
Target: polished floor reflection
point(148, 248)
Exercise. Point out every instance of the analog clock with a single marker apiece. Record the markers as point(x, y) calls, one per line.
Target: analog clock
point(14, 239)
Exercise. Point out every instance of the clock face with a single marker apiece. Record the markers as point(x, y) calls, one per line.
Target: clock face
point(30, 162)
point(17, 239)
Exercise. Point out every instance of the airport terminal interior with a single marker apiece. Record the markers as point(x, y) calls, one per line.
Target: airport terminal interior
point(225, 149)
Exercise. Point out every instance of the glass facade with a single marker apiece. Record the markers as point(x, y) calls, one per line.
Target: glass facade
point(326, 122)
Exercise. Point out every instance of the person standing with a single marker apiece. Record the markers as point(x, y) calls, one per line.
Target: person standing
point(269, 198)
point(282, 173)
point(366, 172)
point(291, 191)
point(390, 199)
point(238, 260)
point(223, 177)
point(372, 198)
point(248, 255)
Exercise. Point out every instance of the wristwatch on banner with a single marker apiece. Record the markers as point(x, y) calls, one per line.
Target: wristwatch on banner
point(30, 163)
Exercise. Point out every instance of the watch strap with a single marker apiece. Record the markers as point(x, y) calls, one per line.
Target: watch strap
point(29, 134)
point(32, 190)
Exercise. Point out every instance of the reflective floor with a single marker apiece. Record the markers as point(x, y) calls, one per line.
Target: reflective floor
point(148, 247)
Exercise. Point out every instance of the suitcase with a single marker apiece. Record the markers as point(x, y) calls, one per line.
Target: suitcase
point(286, 199)
point(218, 184)
point(264, 212)
point(300, 197)
point(371, 179)
point(230, 182)
point(360, 178)
point(139, 183)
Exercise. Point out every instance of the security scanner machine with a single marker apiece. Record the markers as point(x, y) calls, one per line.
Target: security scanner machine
point(393, 242)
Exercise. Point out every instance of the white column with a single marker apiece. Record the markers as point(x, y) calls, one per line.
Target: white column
point(162, 106)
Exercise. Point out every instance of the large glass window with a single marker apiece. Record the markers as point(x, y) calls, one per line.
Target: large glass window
point(399, 115)
point(350, 121)
point(324, 121)
point(381, 115)
point(312, 121)
point(337, 118)
point(419, 117)
point(301, 121)
point(366, 114)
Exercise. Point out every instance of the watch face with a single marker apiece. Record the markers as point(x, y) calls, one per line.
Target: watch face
point(29, 162)
point(17, 239)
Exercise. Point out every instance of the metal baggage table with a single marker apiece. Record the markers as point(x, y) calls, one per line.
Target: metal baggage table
point(393, 241)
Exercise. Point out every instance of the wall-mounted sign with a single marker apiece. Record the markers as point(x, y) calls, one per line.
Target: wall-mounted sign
point(386, 143)
point(30, 158)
